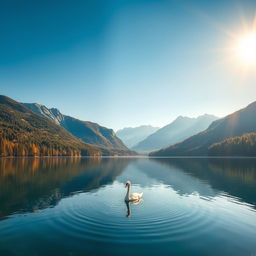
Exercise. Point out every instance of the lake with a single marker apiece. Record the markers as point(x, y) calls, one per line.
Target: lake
point(75, 206)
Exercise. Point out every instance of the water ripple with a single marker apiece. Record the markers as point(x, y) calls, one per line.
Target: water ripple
point(95, 219)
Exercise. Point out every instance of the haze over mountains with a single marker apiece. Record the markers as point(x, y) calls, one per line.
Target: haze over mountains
point(133, 135)
point(178, 130)
point(236, 124)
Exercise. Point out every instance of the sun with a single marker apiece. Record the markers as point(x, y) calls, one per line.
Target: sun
point(246, 48)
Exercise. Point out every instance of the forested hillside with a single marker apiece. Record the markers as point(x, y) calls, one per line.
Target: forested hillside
point(23, 133)
point(244, 145)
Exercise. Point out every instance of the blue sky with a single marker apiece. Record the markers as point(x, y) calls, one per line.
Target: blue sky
point(125, 62)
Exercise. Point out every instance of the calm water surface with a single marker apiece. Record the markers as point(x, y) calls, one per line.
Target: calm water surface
point(65, 206)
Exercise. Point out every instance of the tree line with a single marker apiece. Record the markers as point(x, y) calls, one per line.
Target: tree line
point(244, 145)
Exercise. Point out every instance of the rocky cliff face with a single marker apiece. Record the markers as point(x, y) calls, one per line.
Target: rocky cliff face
point(52, 113)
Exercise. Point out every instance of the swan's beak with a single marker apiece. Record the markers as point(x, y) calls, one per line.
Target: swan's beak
point(125, 185)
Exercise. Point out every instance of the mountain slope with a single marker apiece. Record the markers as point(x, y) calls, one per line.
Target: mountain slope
point(88, 132)
point(243, 145)
point(236, 124)
point(180, 129)
point(23, 133)
point(132, 136)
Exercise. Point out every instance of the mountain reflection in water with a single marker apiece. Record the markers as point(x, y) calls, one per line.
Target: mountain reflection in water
point(29, 184)
point(75, 206)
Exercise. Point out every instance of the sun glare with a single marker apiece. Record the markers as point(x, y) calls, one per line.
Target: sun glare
point(246, 49)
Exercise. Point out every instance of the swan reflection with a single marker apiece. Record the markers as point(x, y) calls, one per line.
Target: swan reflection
point(135, 202)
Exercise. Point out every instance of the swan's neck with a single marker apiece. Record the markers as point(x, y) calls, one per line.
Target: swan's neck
point(127, 197)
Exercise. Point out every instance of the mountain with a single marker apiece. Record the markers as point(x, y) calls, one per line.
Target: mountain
point(235, 124)
point(23, 133)
point(243, 145)
point(88, 132)
point(133, 135)
point(180, 129)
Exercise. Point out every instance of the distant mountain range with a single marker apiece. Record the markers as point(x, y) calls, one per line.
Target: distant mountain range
point(131, 136)
point(88, 132)
point(24, 133)
point(204, 143)
point(179, 130)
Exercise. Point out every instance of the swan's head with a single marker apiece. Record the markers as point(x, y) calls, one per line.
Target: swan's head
point(128, 184)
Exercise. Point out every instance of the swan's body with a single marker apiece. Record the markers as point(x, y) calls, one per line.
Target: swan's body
point(133, 196)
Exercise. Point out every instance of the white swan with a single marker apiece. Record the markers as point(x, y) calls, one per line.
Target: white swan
point(131, 197)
